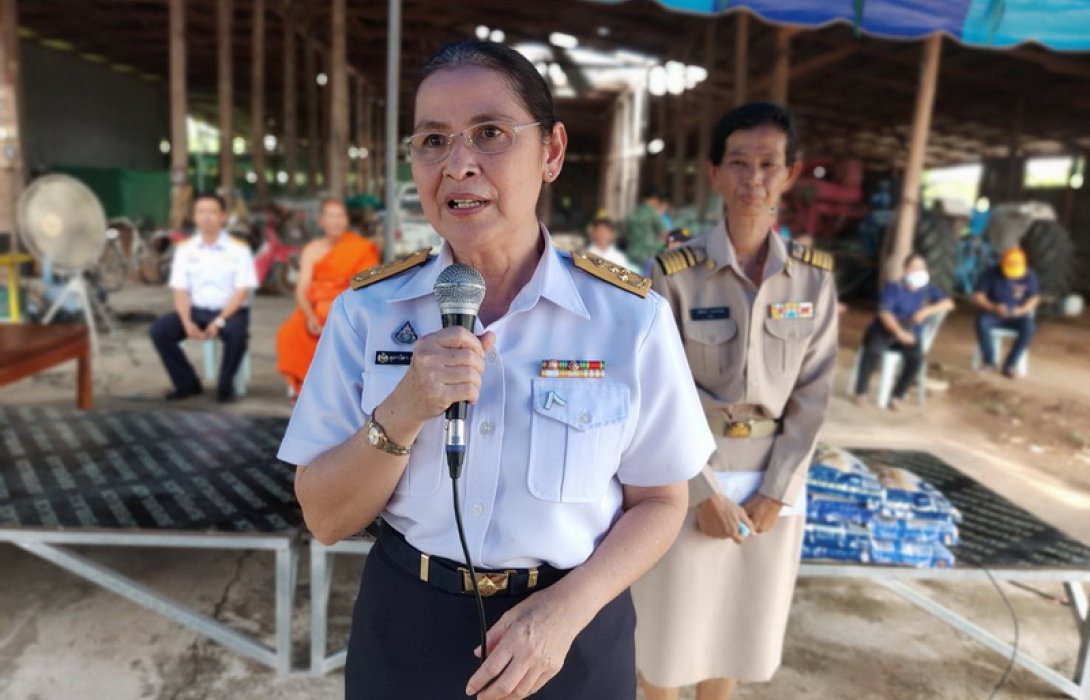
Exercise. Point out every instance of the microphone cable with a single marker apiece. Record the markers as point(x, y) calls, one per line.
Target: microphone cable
point(451, 457)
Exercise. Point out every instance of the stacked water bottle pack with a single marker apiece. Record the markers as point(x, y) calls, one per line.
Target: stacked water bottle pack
point(884, 515)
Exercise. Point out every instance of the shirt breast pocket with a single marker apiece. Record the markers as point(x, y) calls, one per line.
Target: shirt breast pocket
point(427, 463)
point(710, 348)
point(787, 339)
point(576, 434)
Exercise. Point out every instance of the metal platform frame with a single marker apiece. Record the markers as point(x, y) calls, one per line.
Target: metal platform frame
point(895, 579)
point(321, 578)
point(898, 581)
point(51, 545)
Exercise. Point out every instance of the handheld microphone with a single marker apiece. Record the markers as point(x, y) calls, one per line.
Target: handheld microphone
point(459, 291)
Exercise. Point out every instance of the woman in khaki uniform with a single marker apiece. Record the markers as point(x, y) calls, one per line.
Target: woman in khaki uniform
point(759, 323)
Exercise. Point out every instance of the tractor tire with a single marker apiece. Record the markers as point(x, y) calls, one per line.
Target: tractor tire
point(1051, 255)
point(936, 242)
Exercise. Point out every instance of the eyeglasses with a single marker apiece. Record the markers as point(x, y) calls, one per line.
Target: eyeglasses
point(489, 138)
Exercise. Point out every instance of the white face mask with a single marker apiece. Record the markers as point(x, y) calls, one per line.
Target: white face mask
point(917, 279)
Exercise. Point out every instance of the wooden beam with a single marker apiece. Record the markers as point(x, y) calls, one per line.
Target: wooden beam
point(257, 97)
point(11, 151)
point(921, 125)
point(360, 137)
point(291, 99)
point(704, 134)
point(310, 72)
point(677, 186)
point(225, 10)
point(781, 66)
point(741, 58)
point(338, 114)
point(179, 141)
point(811, 65)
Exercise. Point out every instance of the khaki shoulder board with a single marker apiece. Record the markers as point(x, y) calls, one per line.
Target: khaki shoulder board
point(818, 258)
point(678, 259)
point(616, 275)
point(381, 272)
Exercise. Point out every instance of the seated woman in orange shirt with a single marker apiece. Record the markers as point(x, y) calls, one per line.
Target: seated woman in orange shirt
point(325, 268)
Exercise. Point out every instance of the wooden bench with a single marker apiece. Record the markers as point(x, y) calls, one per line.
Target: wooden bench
point(29, 348)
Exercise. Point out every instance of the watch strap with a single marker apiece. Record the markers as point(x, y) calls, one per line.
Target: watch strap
point(384, 442)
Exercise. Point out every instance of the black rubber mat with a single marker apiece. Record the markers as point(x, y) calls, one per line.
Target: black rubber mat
point(152, 470)
point(995, 532)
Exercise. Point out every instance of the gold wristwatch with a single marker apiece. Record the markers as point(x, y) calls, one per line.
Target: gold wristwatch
point(376, 437)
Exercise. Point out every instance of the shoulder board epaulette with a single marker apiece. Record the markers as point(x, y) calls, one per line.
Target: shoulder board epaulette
point(381, 272)
point(613, 273)
point(818, 258)
point(678, 259)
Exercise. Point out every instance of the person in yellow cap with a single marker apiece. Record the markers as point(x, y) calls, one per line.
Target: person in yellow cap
point(1007, 295)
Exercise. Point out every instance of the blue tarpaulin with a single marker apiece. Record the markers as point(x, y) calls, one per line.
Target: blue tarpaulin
point(1061, 25)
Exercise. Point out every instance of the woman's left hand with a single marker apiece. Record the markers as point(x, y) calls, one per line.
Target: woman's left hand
point(527, 647)
point(763, 511)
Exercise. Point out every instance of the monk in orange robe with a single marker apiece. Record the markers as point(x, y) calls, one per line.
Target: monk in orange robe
point(326, 266)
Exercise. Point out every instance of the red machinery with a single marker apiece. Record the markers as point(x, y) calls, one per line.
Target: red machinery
point(827, 197)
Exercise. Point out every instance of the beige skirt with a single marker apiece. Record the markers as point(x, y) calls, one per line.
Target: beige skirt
point(711, 608)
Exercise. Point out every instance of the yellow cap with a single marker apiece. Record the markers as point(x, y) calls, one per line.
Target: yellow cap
point(1013, 263)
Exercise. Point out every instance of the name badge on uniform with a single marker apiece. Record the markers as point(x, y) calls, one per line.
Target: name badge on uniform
point(390, 357)
point(791, 310)
point(709, 314)
point(573, 369)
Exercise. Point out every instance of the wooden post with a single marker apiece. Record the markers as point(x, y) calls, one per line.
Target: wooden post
point(781, 67)
point(291, 100)
point(741, 58)
point(658, 176)
point(338, 101)
point(677, 186)
point(704, 135)
point(360, 139)
point(227, 131)
point(310, 70)
point(1016, 167)
point(921, 124)
point(257, 98)
point(11, 151)
point(179, 141)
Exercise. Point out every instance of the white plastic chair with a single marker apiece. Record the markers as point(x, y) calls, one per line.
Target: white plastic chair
point(998, 335)
point(891, 364)
point(210, 352)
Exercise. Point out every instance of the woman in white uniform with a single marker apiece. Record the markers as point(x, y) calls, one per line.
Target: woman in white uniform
point(584, 422)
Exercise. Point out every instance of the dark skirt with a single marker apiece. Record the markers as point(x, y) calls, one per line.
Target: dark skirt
point(413, 641)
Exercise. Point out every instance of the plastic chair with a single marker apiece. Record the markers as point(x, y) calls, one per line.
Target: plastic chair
point(891, 364)
point(998, 335)
point(210, 351)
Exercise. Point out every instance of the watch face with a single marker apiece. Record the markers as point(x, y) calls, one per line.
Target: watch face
point(374, 436)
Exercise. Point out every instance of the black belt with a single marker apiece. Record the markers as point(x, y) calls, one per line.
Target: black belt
point(451, 577)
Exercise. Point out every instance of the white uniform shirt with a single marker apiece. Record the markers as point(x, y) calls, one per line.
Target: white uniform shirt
point(212, 273)
point(543, 476)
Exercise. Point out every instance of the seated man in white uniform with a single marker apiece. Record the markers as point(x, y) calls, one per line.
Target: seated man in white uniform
point(211, 277)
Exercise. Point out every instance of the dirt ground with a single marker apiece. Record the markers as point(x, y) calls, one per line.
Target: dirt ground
point(1029, 439)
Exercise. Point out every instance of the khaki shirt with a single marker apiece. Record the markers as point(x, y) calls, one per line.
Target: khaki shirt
point(746, 362)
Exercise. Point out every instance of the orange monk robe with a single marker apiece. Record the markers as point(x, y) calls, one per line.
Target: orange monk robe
point(294, 343)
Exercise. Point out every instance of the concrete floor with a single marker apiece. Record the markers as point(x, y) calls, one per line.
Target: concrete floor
point(61, 637)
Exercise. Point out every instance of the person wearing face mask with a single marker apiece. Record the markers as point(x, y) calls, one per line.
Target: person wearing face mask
point(904, 305)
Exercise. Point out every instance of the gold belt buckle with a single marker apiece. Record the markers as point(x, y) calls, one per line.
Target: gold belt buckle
point(488, 584)
point(738, 429)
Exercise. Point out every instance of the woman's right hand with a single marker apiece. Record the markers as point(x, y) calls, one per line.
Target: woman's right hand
point(447, 367)
point(721, 518)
